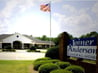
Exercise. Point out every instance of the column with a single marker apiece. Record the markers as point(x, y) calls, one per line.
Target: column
point(22, 45)
point(12, 45)
point(0, 45)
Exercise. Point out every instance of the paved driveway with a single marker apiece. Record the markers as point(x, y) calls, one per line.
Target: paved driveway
point(20, 55)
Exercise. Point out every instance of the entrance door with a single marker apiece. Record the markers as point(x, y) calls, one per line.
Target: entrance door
point(17, 45)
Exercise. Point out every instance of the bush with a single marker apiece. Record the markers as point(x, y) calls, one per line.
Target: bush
point(30, 50)
point(47, 68)
point(53, 53)
point(39, 63)
point(41, 59)
point(33, 48)
point(75, 69)
point(60, 71)
point(55, 60)
point(63, 65)
point(8, 49)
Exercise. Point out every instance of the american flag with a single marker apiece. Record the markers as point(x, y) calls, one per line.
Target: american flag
point(45, 7)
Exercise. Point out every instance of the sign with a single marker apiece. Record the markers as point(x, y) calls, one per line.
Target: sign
point(83, 48)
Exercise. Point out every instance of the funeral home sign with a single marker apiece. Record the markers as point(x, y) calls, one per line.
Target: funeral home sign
point(82, 48)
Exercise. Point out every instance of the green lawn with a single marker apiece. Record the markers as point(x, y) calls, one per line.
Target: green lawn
point(87, 61)
point(13, 66)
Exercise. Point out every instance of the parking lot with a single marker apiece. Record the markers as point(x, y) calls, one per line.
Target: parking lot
point(21, 55)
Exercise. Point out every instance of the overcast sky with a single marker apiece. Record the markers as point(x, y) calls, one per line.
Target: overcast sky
point(76, 17)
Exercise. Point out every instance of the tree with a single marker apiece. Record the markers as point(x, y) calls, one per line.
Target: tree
point(44, 38)
point(91, 34)
point(54, 39)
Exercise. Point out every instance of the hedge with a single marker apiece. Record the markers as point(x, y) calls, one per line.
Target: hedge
point(63, 65)
point(41, 59)
point(37, 64)
point(60, 71)
point(52, 53)
point(75, 69)
point(47, 68)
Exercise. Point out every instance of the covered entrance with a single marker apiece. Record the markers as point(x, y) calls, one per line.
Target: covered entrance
point(17, 45)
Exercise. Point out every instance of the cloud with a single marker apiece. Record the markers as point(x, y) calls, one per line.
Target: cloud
point(70, 8)
point(3, 27)
point(6, 11)
point(53, 1)
point(75, 17)
point(78, 22)
point(95, 8)
point(25, 4)
point(75, 21)
point(11, 5)
point(11, 8)
point(60, 17)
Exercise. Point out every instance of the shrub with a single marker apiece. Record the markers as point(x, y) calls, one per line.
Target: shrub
point(47, 68)
point(53, 53)
point(33, 48)
point(75, 69)
point(8, 49)
point(39, 63)
point(60, 71)
point(41, 59)
point(30, 50)
point(63, 65)
point(13, 50)
point(55, 60)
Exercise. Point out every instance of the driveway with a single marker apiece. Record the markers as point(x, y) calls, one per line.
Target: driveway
point(21, 55)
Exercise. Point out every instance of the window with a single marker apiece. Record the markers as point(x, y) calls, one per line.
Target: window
point(17, 36)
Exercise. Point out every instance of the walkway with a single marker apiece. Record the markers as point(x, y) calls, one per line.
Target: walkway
point(20, 55)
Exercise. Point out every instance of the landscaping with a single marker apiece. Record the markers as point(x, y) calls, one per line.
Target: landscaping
point(47, 65)
point(8, 49)
point(40, 65)
point(32, 49)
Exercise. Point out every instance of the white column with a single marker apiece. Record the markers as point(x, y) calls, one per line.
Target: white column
point(22, 45)
point(12, 45)
point(0, 45)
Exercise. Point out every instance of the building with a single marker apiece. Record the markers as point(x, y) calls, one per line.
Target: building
point(19, 41)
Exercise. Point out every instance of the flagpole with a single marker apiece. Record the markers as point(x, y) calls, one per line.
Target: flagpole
point(50, 24)
point(47, 8)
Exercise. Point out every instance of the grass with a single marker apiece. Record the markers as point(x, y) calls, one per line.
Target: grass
point(21, 66)
point(87, 61)
point(14, 66)
point(90, 61)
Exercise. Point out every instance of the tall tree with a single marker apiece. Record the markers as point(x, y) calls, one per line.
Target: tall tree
point(91, 34)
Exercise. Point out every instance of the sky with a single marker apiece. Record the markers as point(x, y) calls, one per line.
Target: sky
point(77, 17)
